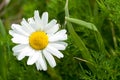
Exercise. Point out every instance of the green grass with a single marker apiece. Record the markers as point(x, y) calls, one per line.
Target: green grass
point(93, 51)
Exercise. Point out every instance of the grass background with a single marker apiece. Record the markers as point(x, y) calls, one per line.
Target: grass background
point(91, 54)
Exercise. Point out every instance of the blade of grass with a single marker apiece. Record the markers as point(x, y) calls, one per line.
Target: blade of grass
point(82, 23)
point(113, 35)
point(2, 30)
point(91, 27)
point(83, 60)
point(3, 70)
point(78, 42)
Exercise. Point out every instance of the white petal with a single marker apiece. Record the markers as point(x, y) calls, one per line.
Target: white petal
point(18, 29)
point(32, 59)
point(45, 18)
point(37, 26)
point(33, 24)
point(53, 29)
point(20, 39)
point(27, 51)
point(42, 61)
point(19, 48)
point(31, 21)
point(62, 43)
point(38, 66)
point(50, 24)
point(20, 56)
point(16, 34)
point(15, 26)
point(38, 23)
point(11, 32)
point(59, 45)
point(26, 27)
point(60, 35)
point(54, 51)
point(49, 58)
point(16, 53)
point(36, 16)
point(61, 32)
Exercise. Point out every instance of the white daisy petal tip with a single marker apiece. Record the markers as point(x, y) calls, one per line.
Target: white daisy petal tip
point(49, 58)
point(30, 20)
point(45, 14)
point(61, 56)
point(10, 32)
point(23, 20)
point(45, 69)
point(33, 38)
point(45, 18)
point(36, 12)
point(30, 63)
point(20, 57)
point(13, 25)
point(32, 59)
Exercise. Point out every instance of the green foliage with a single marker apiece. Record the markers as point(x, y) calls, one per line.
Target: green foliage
point(3, 69)
point(93, 51)
point(113, 7)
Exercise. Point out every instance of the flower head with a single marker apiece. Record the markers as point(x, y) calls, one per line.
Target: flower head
point(38, 40)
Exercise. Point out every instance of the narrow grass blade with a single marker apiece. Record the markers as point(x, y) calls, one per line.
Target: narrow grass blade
point(82, 23)
point(83, 60)
point(2, 30)
point(78, 42)
point(91, 27)
point(3, 70)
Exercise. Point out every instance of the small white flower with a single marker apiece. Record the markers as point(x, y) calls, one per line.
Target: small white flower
point(39, 40)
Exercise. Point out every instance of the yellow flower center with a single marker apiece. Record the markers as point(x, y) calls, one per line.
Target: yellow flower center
point(38, 40)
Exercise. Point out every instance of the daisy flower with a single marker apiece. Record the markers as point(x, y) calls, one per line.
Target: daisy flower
point(39, 40)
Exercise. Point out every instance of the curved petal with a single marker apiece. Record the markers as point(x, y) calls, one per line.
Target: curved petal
point(32, 59)
point(19, 48)
point(60, 35)
point(34, 24)
point(20, 56)
point(38, 66)
point(20, 39)
point(38, 23)
point(36, 16)
point(53, 29)
point(31, 20)
point(50, 24)
point(45, 18)
point(26, 27)
point(17, 29)
point(59, 45)
point(54, 51)
point(49, 58)
point(42, 61)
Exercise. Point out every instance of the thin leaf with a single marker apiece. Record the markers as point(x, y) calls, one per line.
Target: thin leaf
point(3, 72)
point(82, 23)
point(83, 60)
point(78, 42)
point(2, 30)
